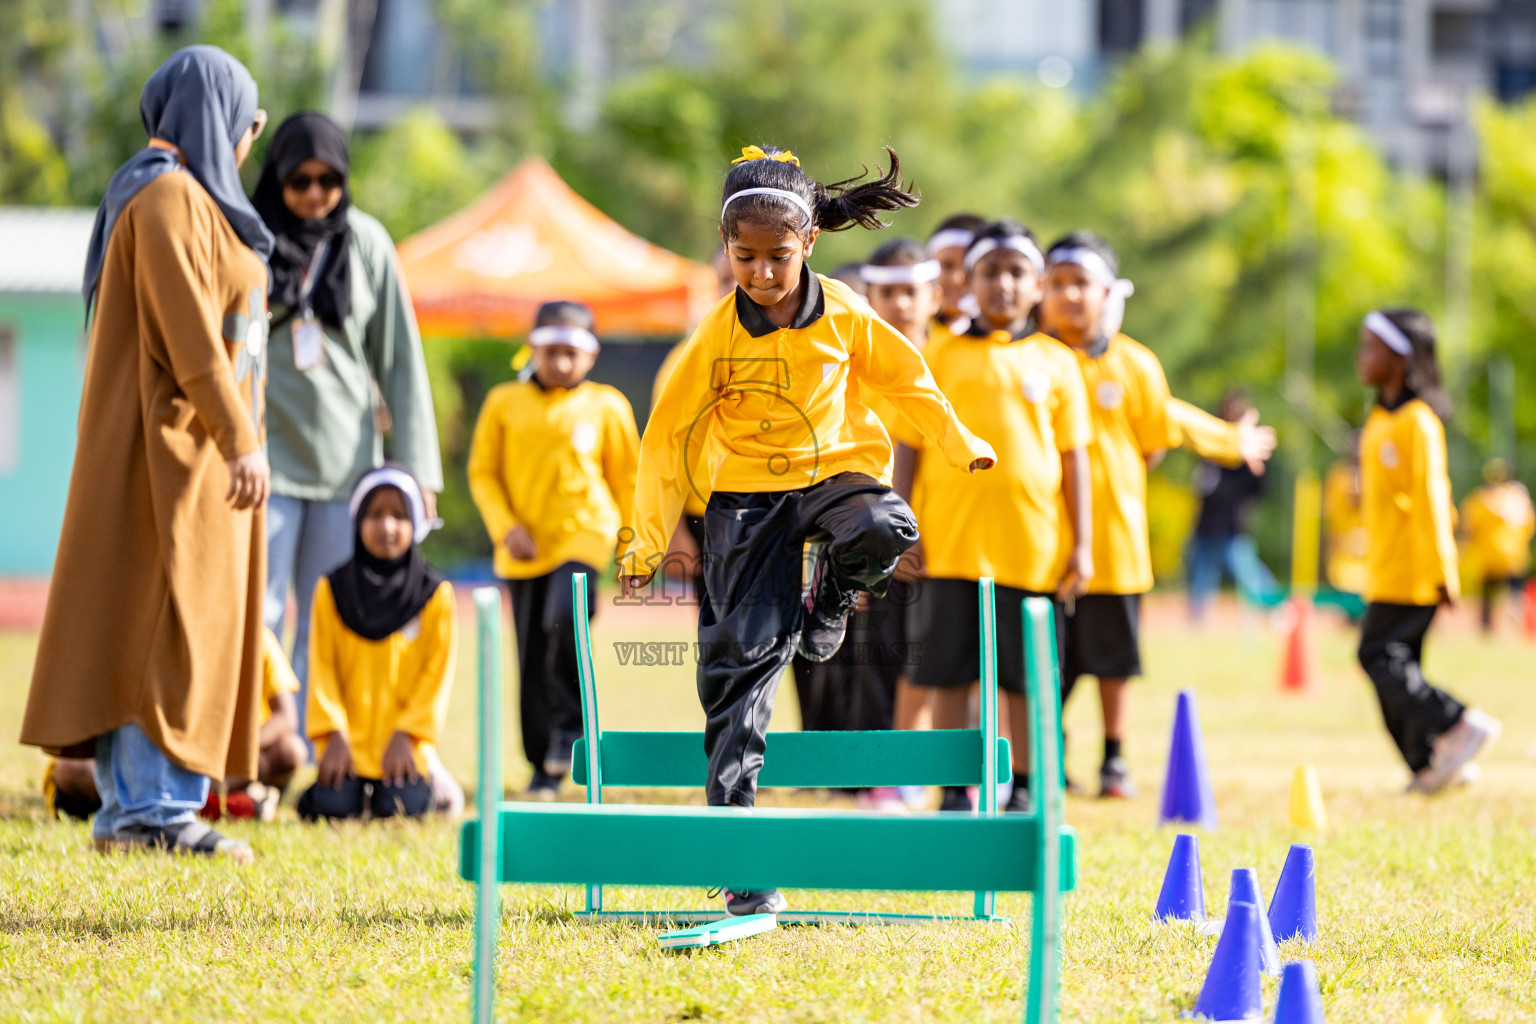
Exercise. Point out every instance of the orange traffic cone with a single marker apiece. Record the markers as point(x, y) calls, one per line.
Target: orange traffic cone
point(1299, 669)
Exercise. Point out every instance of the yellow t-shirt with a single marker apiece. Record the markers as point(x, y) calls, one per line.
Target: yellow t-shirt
point(1406, 502)
point(693, 505)
point(371, 689)
point(276, 674)
point(562, 463)
point(780, 409)
point(1027, 397)
point(1345, 527)
point(1128, 403)
point(1499, 521)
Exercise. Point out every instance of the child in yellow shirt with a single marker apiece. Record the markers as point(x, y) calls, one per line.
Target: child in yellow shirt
point(777, 383)
point(552, 470)
point(1082, 306)
point(381, 653)
point(1498, 521)
point(1411, 560)
point(1028, 523)
point(947, 246)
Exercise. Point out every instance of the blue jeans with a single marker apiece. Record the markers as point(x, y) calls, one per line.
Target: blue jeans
point(139, 785)
point(1210, 556)
point(305, 540)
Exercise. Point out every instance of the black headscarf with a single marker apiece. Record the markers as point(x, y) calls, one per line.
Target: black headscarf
point(304, 137)
point(201, 100)
point(376, 597)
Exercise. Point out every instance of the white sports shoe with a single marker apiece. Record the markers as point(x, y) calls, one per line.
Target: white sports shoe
point(1456, 748)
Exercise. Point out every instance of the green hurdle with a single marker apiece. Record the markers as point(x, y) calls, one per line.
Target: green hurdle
point(795, 760)
point(485, 849)
point(594, 844)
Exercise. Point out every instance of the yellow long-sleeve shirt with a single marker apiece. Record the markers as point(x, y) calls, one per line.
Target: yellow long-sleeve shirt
point(693, 504)
point(368, 690)
point(1209, 437)
point(1406, 501)
point(1499, 521)
point(1128, 401)
point(782, 408)
point(1027, 395)
point(561, 462)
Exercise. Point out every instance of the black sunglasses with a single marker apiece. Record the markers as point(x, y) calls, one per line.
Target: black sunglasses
point(300, 182)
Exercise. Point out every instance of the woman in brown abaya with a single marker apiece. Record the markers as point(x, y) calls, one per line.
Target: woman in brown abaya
point(151, 644)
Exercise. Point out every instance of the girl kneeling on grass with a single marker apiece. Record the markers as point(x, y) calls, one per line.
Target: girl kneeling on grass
point(776, 384)
point(1405, 495)
point(381, 653)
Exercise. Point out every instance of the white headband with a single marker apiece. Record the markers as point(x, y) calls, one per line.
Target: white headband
point(1390, 334)
point(806, 207)
point(563, 334)
point(906, 273)
point(1018, 243)
point(950, 238)
point(1089, 260)
point(389, 476)
point(1113, 317)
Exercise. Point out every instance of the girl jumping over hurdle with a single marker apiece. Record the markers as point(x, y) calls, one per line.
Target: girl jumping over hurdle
point(774, 387)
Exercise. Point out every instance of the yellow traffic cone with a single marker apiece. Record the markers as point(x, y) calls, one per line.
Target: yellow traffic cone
point(1307, 810)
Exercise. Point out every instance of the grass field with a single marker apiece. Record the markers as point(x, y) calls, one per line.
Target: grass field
point(1422, 903)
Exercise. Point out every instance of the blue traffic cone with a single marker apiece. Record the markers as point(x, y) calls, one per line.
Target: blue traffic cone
point(1245, 889)
point(1293, 910)
point(1183, 896)
point(1187, 785)
point(1232, 989)
point(1299, 1002)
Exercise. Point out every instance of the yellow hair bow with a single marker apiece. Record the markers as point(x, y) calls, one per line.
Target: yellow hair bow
point(757, 153)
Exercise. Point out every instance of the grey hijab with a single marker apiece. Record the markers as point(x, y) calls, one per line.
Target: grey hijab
point(201, 100)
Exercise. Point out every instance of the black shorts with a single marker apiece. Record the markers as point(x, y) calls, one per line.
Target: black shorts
point(1103, 638)
point(945, 623)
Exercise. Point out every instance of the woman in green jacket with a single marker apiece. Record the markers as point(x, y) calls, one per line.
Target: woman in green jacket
point(346, 366)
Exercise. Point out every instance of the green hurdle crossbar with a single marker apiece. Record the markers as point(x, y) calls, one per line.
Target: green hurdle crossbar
point(762, 848)
point(796, 760)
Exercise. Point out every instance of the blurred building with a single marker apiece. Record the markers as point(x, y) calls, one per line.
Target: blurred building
point(1408, 68)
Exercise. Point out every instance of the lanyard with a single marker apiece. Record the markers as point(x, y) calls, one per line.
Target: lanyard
point(311, 276)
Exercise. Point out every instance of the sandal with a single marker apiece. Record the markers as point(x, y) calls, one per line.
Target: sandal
point(192, 837)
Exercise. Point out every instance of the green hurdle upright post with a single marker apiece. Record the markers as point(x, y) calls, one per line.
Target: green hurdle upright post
point(1043, 683)
point(594, 732)
point(488, 853)
point(986, 597)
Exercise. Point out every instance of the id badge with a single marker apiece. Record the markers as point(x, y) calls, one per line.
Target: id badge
point(308, 344)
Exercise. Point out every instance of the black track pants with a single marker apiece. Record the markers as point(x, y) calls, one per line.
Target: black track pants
point(1391, 644)
point(753, 612)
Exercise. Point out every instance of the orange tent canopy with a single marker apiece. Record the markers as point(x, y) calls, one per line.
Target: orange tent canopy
point(484, 271)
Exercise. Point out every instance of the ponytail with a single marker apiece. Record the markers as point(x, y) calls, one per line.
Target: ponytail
point(835, 207)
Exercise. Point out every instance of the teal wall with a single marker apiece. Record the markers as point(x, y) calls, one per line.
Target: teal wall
point(49, 363)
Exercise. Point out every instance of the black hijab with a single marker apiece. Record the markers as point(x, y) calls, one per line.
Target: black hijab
point(376, 597)
point(307, 137)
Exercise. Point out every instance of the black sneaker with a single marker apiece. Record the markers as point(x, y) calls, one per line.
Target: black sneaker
point(826, 617)
point(956, 799)
point(1018, 801)
point(543, 786)
point(1115, 782)
point(764, 901)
